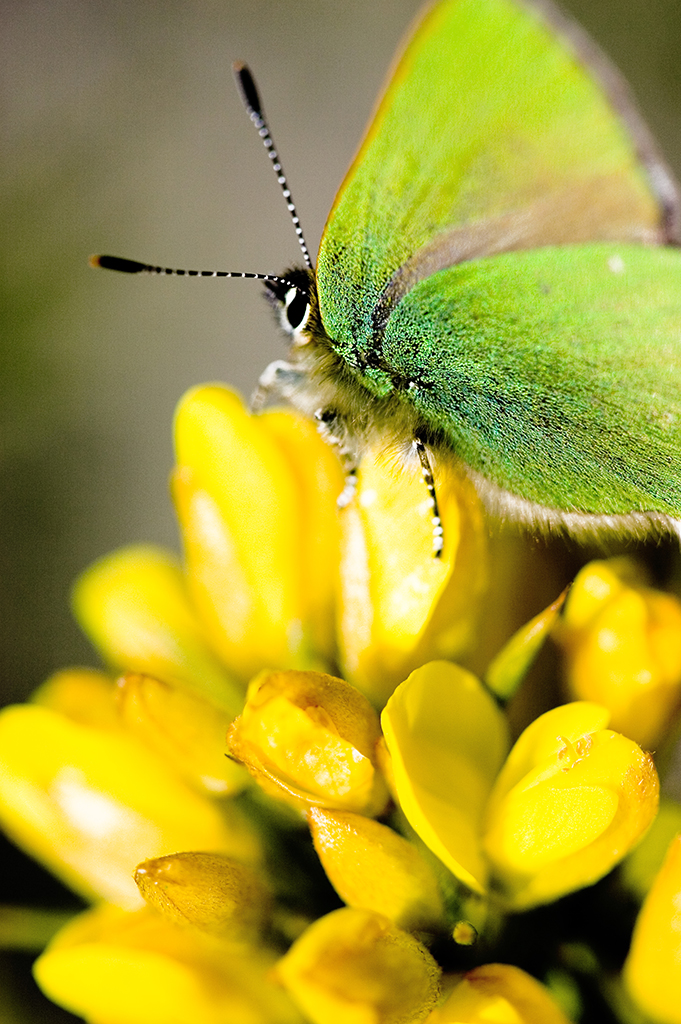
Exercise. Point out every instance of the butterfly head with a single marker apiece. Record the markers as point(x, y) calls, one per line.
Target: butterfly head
point(293, 297)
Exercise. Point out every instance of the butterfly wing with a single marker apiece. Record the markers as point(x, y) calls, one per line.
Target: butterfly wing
point(553, 374)
point(491, 137)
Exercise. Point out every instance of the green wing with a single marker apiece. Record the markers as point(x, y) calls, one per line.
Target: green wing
point(491, 137)
point(555, 374)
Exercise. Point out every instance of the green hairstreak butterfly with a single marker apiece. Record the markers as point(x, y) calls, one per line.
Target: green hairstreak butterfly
point(498, 281)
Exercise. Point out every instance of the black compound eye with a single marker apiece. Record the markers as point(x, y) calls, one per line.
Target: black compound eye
point(296, 308)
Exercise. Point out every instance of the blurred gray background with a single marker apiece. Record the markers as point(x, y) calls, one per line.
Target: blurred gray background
point(123, 133)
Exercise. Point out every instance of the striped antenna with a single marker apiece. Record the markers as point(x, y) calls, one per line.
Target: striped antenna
point(249, 94)
point(133, 267)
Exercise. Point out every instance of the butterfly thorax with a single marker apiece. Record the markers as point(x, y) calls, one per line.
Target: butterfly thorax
point(356, 401)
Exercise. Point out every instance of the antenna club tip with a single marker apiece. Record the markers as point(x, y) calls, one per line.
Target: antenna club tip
point(247, 87)
point(117, 263)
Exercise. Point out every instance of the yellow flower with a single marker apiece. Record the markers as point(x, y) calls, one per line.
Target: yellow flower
point(570, 801)
point(113, 967)
point(653, 969)
point(263, 541)
point(447, 740)
point(92, 802)
point(622, 646)
point(134, 606)
point(238, 650)
point(373, 867)
point(186, 731)
point(356, 967)
point(255, 499)
point(214, 893)
point(84, 695)
point(498, 993)
point(310, 739)
point(100, 779)
point(398, 607)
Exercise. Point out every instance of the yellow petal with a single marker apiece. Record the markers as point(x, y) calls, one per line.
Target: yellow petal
point(319, 480)
point(545, 737)
point(596, 584)
point(622, 644)
point(209, 891)
point(371, 866)
point(400, 606)
point(83, 695)
point(112, 967)
point(186, 731)
point(447, 739)
point(244, 528)
point(93, 803)
point(311, 739)
point(567, 807)
point(356, 967)
point(498, 994)
point(134, 607)
point(652, 972)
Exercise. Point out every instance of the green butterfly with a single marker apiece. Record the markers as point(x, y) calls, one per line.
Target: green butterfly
point(497, 282)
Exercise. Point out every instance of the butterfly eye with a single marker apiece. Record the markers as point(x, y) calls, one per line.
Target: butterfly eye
point(296, 309)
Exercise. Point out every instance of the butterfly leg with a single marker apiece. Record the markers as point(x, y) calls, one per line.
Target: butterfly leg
point(427, 474)
point(350, 469)
point(279, 380)
point(334, 431)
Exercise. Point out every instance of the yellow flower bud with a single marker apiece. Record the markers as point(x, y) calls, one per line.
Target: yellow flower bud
point(92, 803)
point(185, 730)
point(83, 695)
point(371, 866)
point(212, 892)
point(652, 972)
point(399, 606)
point(134, 607)
point(570, 802)
point(258, 527)
point(310, 739)
point(355, 967)
point(622, 645)
point(447, 740)
point(109, 966)
point(501, 994)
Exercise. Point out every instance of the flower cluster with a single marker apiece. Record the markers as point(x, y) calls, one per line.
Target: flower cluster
point(288, 801)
